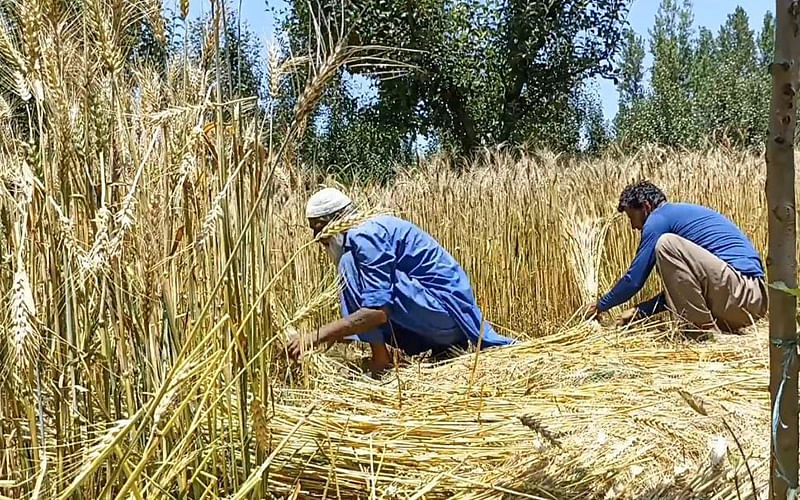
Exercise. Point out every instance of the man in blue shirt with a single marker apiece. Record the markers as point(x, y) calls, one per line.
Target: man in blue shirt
point(400, 288)
point(713, 277)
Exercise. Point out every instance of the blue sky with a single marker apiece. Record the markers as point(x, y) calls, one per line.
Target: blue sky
point(708, 13)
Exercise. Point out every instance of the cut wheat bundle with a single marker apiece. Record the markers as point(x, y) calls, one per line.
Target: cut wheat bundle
point(585, 412)
point(585, 237)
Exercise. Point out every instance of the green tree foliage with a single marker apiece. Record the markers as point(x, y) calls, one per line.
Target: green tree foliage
point(741, 112)
point(766, 40)
point(598, 135)
point(671, 46)
point(353, 142)
point(634, 118)
point(701, 86)
point(631, 74)
point(487, 71)
point(766, 49)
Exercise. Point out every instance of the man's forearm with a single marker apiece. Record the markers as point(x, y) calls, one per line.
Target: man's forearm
point(360, 321)
point(634, 279)
point(620, 293)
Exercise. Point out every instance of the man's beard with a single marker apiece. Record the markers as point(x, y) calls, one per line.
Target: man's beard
point(335, 248)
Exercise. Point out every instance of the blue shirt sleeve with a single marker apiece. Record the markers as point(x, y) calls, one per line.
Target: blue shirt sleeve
point(640, 269)
point(375, 260)
point(350, 301)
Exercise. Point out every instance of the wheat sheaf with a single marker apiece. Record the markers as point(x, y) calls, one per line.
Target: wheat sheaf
point(586, 235)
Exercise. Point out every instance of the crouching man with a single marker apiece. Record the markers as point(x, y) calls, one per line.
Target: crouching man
point(400, 288)
point(713, 277)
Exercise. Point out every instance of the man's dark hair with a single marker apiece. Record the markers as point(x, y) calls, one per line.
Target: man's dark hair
point(634, 195)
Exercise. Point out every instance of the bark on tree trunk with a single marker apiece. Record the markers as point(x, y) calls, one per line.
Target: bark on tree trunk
point(463, 123)
point(781, 259)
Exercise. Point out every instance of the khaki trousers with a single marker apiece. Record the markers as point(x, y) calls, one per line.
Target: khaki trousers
point(704, 290)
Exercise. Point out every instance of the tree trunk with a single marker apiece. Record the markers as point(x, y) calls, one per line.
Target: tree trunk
point(463, 124)
point(781, 258)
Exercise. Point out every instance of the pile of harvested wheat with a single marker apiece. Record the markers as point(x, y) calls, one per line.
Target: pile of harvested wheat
point(584, 413)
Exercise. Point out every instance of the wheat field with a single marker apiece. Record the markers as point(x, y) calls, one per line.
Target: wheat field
point(156, 257)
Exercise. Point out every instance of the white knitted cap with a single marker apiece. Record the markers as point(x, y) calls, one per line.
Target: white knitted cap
point(326, 202)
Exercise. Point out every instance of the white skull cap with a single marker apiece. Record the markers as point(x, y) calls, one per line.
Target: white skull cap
point(326, 202)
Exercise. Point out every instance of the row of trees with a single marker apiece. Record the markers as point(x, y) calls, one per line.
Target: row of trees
point(702, 85)
point(480, 73)
point(486, 72)
point(492, 72)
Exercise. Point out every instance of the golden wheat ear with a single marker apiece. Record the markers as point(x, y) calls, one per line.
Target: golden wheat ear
point(320, 301)
point(26, 338)
point(350, 221)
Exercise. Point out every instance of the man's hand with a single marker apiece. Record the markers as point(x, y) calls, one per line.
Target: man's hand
point(296, 348)
point(627, 316)
point(591, 312)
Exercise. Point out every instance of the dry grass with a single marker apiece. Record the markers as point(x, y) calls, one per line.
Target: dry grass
point(583, 413)
point(155, 255)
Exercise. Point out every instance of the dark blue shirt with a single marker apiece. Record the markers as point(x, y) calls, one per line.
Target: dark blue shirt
point(700, 225)
point(390, 262)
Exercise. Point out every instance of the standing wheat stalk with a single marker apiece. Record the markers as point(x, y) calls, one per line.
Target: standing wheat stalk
point(26, 339)
point(97, 255)
point(327, 297)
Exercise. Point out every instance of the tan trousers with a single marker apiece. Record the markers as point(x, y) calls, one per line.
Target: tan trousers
point(704, 290)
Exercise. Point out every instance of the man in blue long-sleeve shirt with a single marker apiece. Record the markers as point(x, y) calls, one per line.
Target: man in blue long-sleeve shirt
point(713, 277)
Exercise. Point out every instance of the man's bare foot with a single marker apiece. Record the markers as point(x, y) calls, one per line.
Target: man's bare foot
point(701, 333)
point(376, 370)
